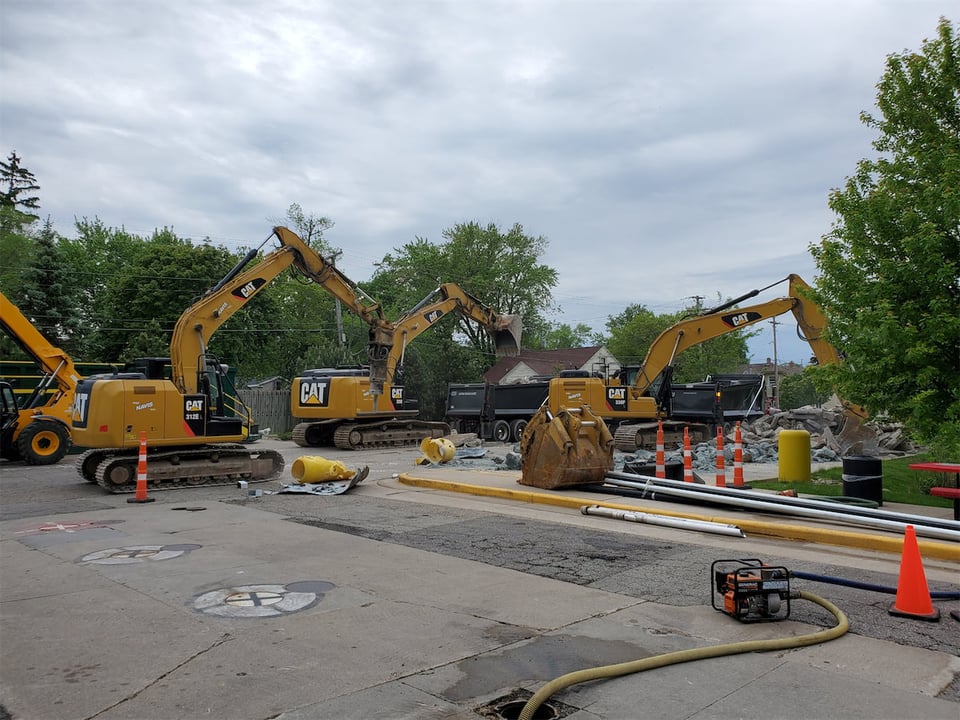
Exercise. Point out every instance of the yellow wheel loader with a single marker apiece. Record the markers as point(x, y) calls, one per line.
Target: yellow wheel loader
point(36, 429)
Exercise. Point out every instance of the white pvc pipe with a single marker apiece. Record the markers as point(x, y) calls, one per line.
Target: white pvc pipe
point(653, 489)
point(748, 493)
point(663, 520)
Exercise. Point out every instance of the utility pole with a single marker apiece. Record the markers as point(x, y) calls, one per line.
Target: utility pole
point(776, 367)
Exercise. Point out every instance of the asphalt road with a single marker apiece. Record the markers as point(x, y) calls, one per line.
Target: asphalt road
point(666, 566)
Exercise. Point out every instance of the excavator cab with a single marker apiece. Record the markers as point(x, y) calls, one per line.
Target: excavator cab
point(9, 414)
point(226, 412)
point(573, 447)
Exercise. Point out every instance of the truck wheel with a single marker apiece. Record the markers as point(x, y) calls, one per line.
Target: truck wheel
point(501, 431)
point(43, 443)
point(516, 429)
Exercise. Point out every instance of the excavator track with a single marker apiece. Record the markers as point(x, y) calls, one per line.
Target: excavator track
point(175, 468)
point(630, 437)
point(387, 433)
point(313, 434)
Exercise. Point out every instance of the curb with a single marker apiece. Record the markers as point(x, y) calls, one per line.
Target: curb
point(840, 538)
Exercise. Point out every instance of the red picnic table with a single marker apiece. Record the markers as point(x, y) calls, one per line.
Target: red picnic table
point(947, 492)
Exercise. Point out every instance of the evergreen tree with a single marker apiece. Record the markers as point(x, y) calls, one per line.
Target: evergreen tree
point(16, 206)
point(46, 292)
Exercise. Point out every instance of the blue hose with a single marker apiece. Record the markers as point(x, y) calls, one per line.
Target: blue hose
point(944, 595)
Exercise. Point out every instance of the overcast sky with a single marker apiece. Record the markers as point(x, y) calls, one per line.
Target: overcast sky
point(666, 149)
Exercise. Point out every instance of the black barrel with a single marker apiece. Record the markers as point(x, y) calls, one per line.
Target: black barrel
point(863, 478)
point(672, 470)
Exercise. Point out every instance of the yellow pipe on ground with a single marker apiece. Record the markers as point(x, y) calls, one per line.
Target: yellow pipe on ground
point(308, 469)
point(438, 450)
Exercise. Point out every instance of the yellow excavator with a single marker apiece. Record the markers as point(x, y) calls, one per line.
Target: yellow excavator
point(192, 439)
point(36, 430)
point(338, 406)
point(633, 410)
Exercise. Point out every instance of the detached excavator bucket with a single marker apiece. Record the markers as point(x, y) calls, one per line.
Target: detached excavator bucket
point(506, 337)
point(571, 448)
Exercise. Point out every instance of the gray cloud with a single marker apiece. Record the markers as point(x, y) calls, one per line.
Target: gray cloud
point(665, 149)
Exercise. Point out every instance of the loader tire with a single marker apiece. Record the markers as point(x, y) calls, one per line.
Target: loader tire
point(43, 443)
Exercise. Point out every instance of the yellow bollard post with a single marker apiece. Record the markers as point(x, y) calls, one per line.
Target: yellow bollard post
point(794, 456)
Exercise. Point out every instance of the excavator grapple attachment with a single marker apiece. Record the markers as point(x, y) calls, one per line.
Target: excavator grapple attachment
point(573, 447)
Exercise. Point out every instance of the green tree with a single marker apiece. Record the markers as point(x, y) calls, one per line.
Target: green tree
point(501, 269)
point(46, 292)
point(560, 336)
point(17, 216)
point(634, 331)
point(890, 266)
point(799, 390)
point(95, 256)
point(160, 281)
point(16, 207)
point(310, 227)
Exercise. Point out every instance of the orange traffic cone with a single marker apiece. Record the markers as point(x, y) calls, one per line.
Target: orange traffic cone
point(141, 494)
point(661, 465)
point(687, 457)
point(913, 596)
point(721, 470)
point(738, 458)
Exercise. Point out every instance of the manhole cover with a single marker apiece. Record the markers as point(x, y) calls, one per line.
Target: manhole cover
point(509, 707)
point(261, 601)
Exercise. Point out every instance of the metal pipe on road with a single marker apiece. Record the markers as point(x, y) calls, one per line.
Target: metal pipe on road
point(749, 494)
point(663, 520)
point(651, 487)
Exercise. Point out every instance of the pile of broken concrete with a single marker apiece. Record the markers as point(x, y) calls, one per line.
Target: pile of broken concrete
point(832, 434)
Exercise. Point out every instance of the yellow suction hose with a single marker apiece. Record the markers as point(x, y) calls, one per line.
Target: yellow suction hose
point(682, 656)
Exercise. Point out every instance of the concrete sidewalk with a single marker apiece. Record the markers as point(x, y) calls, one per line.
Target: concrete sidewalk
point(164, 611)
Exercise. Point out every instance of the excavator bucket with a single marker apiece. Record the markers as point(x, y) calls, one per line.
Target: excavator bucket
point(572, 448)
point(506, 336)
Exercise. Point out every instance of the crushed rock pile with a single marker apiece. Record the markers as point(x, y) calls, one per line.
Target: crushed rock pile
point(760, 441)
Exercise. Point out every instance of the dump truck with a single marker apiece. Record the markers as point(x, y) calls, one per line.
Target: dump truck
point(336, 406)
point(492, 411)
point(37, 429)
point(502, 412)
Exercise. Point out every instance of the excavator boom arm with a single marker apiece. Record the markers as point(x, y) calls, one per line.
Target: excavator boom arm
point(698, 329)
point(811, 323)
point(202, 319)
point(449, 297)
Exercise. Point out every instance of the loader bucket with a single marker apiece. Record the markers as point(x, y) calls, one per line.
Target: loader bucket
point(572, 448)
point(506, 336)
